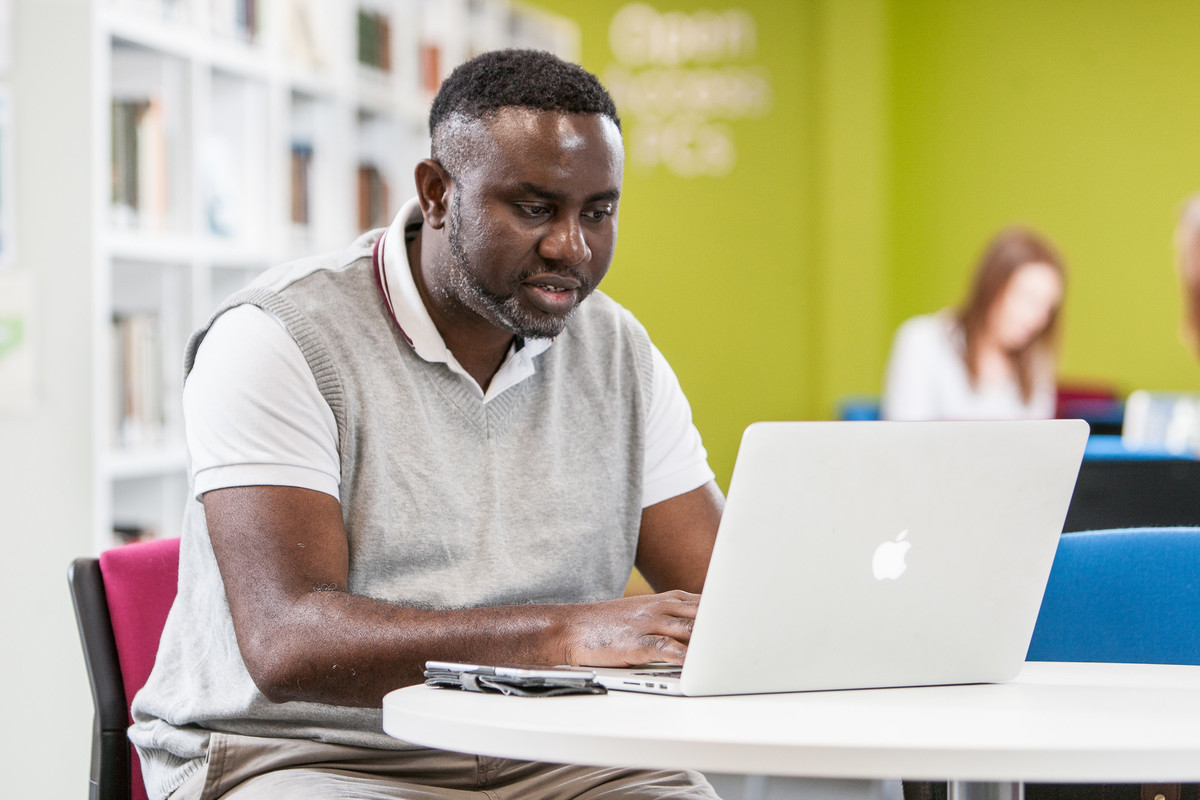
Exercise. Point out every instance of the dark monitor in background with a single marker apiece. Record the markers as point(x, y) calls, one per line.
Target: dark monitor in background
point(1135, 492)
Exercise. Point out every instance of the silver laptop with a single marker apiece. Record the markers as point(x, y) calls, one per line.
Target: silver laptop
point(870, 554)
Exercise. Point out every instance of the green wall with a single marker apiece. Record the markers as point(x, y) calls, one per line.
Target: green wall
point(715, 266)
point(900, 135)
point(1076, 116)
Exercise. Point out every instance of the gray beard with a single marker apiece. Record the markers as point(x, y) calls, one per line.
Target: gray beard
point(504, 311)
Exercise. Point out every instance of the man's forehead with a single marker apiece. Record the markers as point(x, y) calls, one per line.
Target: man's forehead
point(533, 119)
point(519, 127)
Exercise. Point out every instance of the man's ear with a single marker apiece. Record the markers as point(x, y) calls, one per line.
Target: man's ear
point(433, 192)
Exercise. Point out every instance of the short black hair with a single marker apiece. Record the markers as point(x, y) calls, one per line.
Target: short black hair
point(532, 79)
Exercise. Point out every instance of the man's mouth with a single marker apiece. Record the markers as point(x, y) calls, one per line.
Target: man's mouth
point(552, 294)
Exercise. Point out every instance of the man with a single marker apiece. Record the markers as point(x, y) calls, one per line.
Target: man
point(438, 444)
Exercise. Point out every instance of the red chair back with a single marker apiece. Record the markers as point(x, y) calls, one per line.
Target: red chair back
point(140, 581)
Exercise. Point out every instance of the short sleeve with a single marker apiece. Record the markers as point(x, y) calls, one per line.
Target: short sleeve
point(676, 461)
point(253, 414)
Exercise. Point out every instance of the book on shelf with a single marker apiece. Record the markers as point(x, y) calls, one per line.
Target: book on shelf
point(152, 167)
point(140, 195)
point(303, 45)
point(372, 198)
point(222, 192)
point(302, 156)
point(236, 18)
point(138, 379)
point(374, 40)
point(125, 115)
point(429, 67)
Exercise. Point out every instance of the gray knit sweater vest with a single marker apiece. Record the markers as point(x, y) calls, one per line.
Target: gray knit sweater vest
point(448, 502)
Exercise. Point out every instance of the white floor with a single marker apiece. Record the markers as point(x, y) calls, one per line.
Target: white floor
point(757, 787)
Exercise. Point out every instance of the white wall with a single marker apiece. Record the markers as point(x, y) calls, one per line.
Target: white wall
point(45, 470)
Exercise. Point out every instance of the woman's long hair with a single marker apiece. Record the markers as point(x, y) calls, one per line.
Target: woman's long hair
point(1187, 246)
point(1005, 254)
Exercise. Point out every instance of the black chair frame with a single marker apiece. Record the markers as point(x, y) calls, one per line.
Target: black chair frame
point(109, 779)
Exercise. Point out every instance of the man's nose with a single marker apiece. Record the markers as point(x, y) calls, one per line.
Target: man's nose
point(565, 244)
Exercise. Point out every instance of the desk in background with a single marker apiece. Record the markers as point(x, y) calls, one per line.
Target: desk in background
point(1122, 488)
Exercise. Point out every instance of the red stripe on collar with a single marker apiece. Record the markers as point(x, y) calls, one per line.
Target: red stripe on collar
point(377, 261)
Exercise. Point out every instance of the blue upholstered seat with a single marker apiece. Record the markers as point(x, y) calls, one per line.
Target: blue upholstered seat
point(1124, 595)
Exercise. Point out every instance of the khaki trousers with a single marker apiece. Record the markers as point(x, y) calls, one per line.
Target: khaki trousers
point(260, 768)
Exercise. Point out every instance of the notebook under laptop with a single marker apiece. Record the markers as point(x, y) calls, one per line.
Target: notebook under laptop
point(872, 554)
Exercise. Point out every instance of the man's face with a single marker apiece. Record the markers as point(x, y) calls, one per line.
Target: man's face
point(533, 219)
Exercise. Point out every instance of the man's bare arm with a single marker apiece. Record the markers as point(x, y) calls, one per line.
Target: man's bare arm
point(283, 556)
point(676, 539)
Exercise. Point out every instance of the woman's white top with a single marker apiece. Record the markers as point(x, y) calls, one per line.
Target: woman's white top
point(927, 379)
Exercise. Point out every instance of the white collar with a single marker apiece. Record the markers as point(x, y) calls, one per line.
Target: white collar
point(410, 314)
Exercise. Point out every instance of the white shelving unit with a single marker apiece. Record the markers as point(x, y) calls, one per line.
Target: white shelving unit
point(232, 135)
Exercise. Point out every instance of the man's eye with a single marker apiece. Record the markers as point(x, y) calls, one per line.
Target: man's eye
point(598, 214)
point(533, 210)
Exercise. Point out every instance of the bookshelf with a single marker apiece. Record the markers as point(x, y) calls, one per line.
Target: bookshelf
point(231, 135)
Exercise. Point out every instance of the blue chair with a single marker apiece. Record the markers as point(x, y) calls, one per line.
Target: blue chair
point(1127, 595)
point(859, 409)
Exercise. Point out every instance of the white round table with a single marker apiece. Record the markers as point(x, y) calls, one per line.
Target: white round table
point(1104, 723)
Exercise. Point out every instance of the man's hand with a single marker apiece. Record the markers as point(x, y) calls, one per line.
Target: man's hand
point(284, 560)
point(632, 630)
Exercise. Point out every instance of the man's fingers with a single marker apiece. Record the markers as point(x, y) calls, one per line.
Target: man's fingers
point(661, 648)
point(668, 640)
point(687, 598)
point(675, 604)
point(635, 630)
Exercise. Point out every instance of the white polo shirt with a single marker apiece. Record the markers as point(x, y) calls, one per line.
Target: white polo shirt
point(927, 379)
point(254, 415)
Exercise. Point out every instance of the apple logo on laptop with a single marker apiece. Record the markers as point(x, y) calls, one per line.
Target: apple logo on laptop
point(888, 562)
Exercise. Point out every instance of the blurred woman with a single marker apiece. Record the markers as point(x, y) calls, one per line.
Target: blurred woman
point(994, 357)
point(1187, 247)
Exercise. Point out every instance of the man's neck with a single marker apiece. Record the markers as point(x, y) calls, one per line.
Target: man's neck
point(479, 347)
